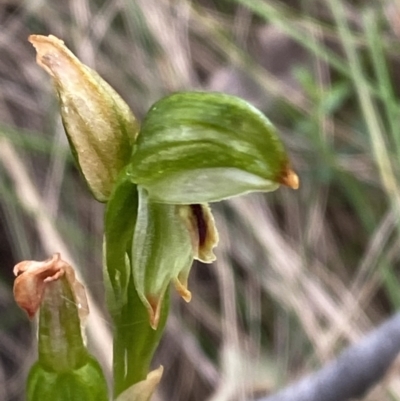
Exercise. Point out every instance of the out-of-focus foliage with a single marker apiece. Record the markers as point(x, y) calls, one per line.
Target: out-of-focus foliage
point(299, 274)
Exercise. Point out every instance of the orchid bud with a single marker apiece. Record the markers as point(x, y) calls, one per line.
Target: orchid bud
point(200, 147)
point(100, 127)
point(65, 371)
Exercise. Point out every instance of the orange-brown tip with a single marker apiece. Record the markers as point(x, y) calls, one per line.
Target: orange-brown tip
point(154, 310)
point(182, 290)
point(290, 179)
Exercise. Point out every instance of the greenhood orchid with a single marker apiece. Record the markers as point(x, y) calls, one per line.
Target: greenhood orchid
point(157, 180)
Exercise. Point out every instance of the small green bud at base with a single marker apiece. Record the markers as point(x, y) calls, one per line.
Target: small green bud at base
point(65, 371)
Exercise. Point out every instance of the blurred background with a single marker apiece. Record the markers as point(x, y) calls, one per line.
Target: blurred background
point(300, 274)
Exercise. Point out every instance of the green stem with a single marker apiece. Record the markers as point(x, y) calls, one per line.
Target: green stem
point(134, 341)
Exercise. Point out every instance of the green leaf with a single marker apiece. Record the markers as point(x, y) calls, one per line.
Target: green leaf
point(200, 147)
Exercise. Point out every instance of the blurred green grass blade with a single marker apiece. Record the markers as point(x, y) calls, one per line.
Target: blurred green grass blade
point(15, 221)
point(274, 14)
point(375, 130)
point(369, 112)
point(355, 194)
point(391, 284)
point(385, 87)
point(138, 23)
point(281, 18)
point(224, 45)
point(31, 140)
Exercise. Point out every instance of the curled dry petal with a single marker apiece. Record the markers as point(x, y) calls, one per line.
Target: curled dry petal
point(32, 278)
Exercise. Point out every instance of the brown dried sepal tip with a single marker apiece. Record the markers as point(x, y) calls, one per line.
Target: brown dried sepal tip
point(289, 178)
point(32, 277)
point(181, 288)
point(154, 308)
point(154, 303)
point(49, 50)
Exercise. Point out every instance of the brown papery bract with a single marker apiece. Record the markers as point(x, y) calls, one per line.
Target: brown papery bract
point(101, 128)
